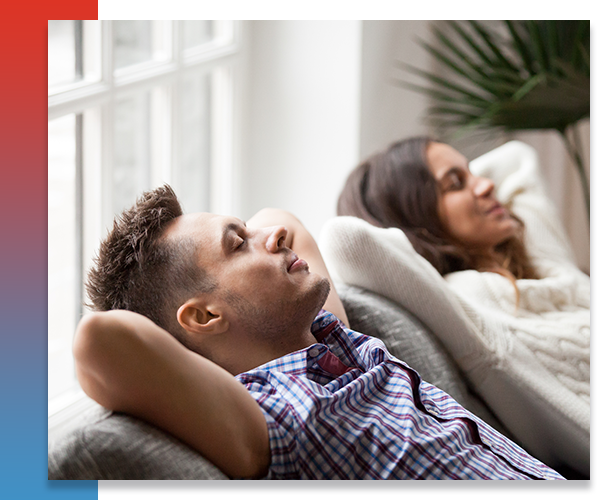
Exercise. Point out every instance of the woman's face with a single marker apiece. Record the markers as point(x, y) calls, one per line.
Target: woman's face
point(467, 206)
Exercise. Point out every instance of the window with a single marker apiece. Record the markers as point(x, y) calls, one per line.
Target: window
point(131, 105)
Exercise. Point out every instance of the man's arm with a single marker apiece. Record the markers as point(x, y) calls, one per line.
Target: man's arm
point(127, 363)
point(305, 246)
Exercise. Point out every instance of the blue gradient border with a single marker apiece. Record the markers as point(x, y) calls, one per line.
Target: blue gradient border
point(23, 252)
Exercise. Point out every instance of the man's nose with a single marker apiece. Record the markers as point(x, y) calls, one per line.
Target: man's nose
point(276, 238)
point(483, 186)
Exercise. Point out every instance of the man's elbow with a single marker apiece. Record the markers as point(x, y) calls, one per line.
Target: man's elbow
point(93, 352)
point(254, 463)
point(253, 450)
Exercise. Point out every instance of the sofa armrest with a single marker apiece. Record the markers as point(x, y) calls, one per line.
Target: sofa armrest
point(109, 445)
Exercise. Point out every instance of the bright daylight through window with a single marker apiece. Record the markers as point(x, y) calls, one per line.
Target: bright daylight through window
point(131, 105)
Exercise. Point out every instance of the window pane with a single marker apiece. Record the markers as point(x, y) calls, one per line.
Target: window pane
point(131, 172)
point(62, 288)
point(196, 33)
point(61, 53)
point(191, 174)
point(73, 53)
point(135, 42)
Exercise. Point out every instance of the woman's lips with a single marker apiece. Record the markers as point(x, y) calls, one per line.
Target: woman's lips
point(496, 209)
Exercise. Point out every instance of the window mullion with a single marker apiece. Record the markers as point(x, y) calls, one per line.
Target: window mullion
point(79, 236)
point(106, 125)
point(175, 96)
point(79, 73)
point(177, 43)
point(106, 162)
point(107, 63)
point(221, 143)
point(168, 174)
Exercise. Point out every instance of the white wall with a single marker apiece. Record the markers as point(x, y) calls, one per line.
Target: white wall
point(390, 112)
point(302, 117)
point(320, 96)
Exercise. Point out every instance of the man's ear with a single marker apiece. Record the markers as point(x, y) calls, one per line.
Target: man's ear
point(200, 316)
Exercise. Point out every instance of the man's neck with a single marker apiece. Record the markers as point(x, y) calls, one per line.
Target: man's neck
point(248, 354)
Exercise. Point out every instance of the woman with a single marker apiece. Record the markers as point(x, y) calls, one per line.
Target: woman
point(450, 216)
point(502, 292)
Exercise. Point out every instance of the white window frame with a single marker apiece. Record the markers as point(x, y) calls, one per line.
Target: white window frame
point(222, 58)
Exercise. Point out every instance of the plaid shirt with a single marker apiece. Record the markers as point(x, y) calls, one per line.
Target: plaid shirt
point(345, 408)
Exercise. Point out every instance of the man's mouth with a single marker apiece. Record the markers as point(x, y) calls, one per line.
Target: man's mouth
point(296, 263)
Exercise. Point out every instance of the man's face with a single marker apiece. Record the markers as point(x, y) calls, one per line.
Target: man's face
point(266, 289)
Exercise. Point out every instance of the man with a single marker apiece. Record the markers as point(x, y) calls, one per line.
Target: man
point(250, 373)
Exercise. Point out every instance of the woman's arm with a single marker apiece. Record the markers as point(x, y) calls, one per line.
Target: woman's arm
point(127, 363)
point(514, 169)
point(303, 244)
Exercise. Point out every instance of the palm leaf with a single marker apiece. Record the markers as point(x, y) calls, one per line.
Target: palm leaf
point(474, 64)
point(475, 46)
point(540, 79)
point(584, 57)
point(553, 45)
point(538, 46)
point(489, 40)
point(502, 84)
point(545, 85)
point(521, 47)
point(445, 84)
point(454, 111)
point(578, 38)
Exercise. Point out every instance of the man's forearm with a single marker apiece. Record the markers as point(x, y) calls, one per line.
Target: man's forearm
point(127, 363)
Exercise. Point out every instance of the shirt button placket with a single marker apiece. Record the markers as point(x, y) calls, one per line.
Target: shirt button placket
point(313, 352)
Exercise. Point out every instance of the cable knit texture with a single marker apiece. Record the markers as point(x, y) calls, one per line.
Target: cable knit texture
point(532, 363)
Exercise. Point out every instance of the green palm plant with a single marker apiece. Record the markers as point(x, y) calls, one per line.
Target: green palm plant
point(521, 75)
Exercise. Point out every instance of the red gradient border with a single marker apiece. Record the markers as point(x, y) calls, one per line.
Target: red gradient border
point(23, 263)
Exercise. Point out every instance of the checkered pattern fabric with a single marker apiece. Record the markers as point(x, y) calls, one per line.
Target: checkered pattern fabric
point(344, 408)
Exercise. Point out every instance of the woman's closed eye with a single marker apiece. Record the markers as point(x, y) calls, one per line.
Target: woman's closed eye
point(454, 181)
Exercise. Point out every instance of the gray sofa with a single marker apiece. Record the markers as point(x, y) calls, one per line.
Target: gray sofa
point(108, 445)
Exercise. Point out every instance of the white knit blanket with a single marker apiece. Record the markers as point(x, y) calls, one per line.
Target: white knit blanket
point(531, 364)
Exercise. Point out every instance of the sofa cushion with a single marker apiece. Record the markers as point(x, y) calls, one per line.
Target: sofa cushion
point(109, 445)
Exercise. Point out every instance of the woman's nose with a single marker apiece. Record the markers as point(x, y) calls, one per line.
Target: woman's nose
point(483, 186)
point(276, 238)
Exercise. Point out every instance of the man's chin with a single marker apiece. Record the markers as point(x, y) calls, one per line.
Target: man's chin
point(322, 289)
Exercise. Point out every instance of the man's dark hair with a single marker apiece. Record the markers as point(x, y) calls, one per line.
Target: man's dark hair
point(140, 270)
